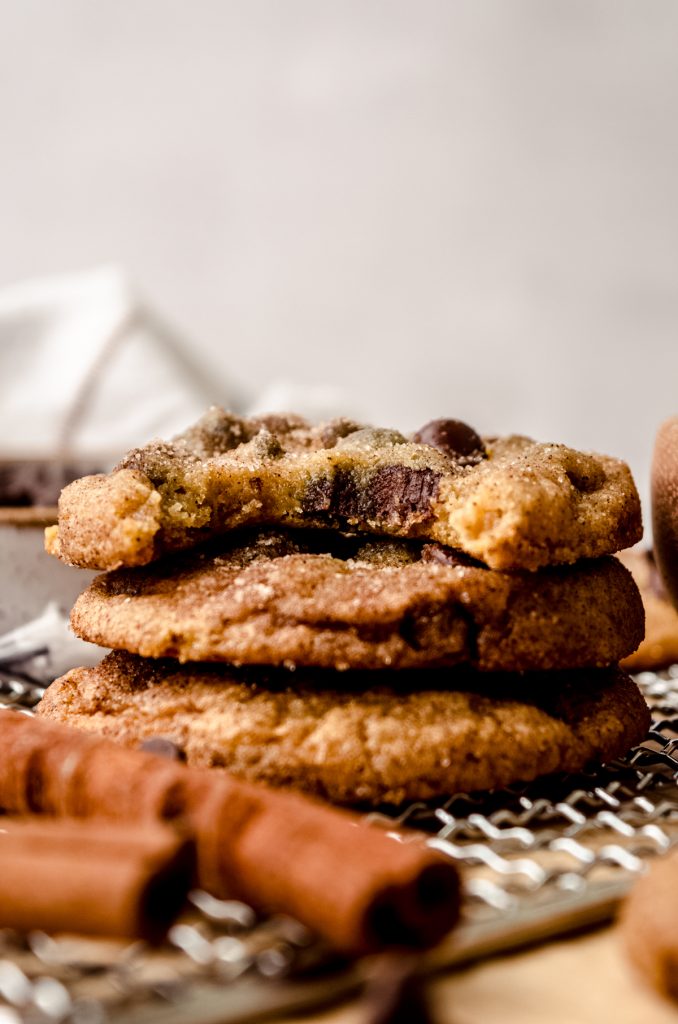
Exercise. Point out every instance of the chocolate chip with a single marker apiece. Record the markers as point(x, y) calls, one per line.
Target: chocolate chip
point(164, 747)
point(453, 438)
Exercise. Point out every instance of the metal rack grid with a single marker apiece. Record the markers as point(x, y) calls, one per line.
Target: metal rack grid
point(536, 860)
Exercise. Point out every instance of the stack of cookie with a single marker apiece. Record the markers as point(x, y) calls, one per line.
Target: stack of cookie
point(350, 612)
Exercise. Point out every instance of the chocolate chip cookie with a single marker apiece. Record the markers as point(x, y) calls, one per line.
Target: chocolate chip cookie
point(360, 737)
point(314, 598)
point(510, 502)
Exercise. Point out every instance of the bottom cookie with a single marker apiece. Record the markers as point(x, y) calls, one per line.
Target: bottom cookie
point(353, 739)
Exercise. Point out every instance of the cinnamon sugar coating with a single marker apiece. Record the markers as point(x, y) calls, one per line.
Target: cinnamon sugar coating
point(313, 598)
point(519, 505)
point(359, 737)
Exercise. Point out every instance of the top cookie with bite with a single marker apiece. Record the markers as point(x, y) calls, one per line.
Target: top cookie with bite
point(510, 502)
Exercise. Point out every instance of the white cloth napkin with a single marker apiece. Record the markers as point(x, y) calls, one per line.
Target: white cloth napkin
point(87, 368)
point(45, 647)
point(317, 403)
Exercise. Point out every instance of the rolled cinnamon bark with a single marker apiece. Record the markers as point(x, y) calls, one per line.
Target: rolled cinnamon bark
point(665, 504)
point(92, 877)
point(352, 884)
point(278, 851)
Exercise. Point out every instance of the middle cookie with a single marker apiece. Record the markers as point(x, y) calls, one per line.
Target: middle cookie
point(315, 599)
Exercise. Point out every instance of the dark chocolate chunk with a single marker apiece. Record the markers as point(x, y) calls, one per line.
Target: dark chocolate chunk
point(400, 492)
point(394, 493)
point(453, 438)
point(164, 747)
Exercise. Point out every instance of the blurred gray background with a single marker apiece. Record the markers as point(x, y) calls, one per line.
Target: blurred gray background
point(457, 208)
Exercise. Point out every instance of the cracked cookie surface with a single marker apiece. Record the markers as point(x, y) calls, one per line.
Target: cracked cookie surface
point(511, 502)
point(353, 737)
point(312, 598)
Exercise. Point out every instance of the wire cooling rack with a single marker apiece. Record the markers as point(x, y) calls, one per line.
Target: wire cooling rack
point(536, 861)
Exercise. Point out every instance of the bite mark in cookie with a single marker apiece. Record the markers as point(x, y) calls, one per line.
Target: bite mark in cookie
point(512, 503)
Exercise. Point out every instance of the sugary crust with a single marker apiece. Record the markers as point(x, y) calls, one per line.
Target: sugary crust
point(118, 515)
point(353, 737)
point(660, 646)
point(524, 506)
point(309, 598)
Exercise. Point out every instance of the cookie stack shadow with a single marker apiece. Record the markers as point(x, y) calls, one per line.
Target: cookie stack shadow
point(336, 645)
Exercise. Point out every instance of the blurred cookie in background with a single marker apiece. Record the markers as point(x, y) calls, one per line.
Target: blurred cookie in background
point(665, 505)
point(648, 925)
point(660, 646)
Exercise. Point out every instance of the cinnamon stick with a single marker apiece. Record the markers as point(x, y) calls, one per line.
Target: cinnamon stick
point(278, 851)
point(92, 877)
point(350, 883)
